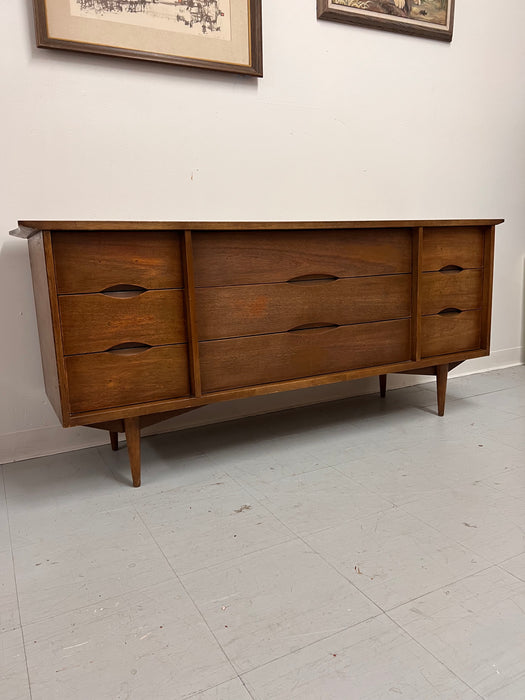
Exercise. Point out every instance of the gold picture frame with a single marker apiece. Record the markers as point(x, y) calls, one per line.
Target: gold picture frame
point(224, 35)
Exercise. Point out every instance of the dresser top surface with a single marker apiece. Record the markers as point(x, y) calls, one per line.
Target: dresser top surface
point(27, 228)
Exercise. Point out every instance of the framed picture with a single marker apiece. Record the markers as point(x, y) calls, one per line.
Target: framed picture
point(428, 18)
point(218, 34)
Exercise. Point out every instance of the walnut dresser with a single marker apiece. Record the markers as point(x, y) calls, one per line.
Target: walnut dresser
point(141, 321)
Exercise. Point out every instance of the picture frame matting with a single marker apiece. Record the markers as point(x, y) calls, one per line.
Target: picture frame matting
point(224, 35)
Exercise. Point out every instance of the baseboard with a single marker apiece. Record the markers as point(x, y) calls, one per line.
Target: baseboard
point(28, 444)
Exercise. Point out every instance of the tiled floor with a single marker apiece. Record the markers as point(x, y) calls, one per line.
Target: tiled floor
point(360, 550)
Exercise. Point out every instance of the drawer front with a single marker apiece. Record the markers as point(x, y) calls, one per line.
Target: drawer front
point(111, 379)
point(229, 258)
point(460, 246)
point(98, 322)
point(449, 333)
point(254, 360)
point(226, 312)
point(99, 260)
point(458, 290)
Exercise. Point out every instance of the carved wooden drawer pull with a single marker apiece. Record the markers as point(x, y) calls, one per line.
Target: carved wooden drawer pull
point(450, 312)
point(312, 279)
point(451, 269)
point(309, 327)
point(129, 348)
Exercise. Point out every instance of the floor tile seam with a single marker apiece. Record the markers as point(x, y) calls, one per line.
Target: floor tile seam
point(510, 573)
point(369, 490)
point(311, 644)
point(297, 538)
point(250, 491)
point(442, 534)
point(237, 558)
point(482, 393)
point(439, 588)
point(10, 629)
point(303, 535)
point(296, 534)
point(40, 620)
point(257, 498)
point(436, 658)
point(334, 568)
point(276, 481)
point(16, 590)
point(193, 602)
point(246, 688)
point(385, 451)
point(237, 677)
point(139, 499)
point(81, 532)
point(508, 444)
point(197, 693)
point(346, 521)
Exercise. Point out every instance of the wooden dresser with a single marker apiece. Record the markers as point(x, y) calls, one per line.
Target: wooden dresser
point(141, 321)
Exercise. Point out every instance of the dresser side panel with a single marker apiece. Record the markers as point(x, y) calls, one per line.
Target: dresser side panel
point(40, 270)
point(488, 283)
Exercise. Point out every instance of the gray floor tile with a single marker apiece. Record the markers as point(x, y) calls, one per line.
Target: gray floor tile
point(317, 500)
point(232, 690)
point(114, 554)
point(268, 604)
point(14, 683)
point(511, 433)
point(147, 644)
point(476, 627)
point(222, 519)
point(515, 566)
point(485, 521)
point(393, 557)
point(9, 615)
point(374, 660)
point(5, 539)
point(67, 480)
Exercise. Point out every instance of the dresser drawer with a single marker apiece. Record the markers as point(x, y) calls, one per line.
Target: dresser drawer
point(458, 290)
point(94, 261)
point(111, 379)
point(98, 322)
point(225, 312)
point(449, 333)
point(460, 246)
point(255, 360)
point(230, 258)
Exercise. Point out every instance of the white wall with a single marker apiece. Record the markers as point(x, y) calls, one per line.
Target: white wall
point(347, 123)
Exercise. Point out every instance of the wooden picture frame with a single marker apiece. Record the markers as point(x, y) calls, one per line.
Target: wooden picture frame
point(433, 19)
point(224, 35)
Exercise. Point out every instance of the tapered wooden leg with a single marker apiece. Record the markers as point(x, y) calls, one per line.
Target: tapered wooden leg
point(132, 428)
point(114, 440)
point(382, 385)
point(441, 380)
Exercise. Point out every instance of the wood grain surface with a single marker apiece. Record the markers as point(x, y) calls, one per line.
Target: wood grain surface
point(107, 379)
point(227, 312)
point(452, 333)
point(97, 322)
point(276, 357)
point(458, 245)
point(100, 260)
point(441, 290)
point(233, 258)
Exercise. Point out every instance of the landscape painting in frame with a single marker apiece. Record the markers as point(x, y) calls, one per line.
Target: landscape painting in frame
point(427, 18)
point(218, 34)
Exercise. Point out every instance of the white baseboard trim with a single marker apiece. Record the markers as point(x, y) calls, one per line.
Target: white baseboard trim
point(39, 442)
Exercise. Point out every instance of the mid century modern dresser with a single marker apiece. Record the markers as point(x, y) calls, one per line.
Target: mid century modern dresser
point(141, 321)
